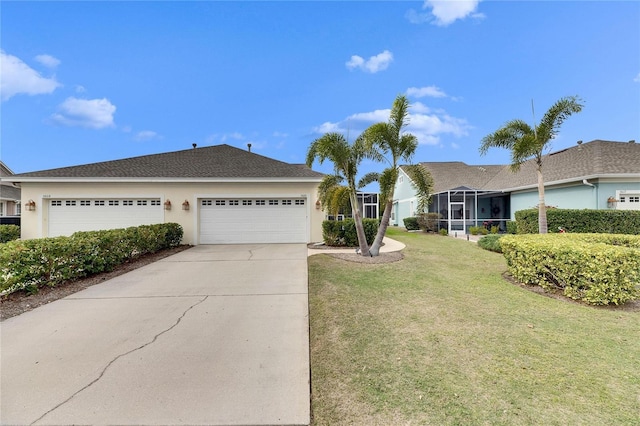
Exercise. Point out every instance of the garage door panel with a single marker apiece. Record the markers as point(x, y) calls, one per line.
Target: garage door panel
point(251, 222)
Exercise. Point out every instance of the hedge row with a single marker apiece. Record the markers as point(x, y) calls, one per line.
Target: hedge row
point(491, 242)
point(342, 233)
point(599, 269)
point(411, 223)
point(9, 233)
point(29, 264)
point(581, 221)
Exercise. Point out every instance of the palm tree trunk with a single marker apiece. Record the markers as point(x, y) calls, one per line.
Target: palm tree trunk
point(542, 209)
point(357, 219)
point(382, 229)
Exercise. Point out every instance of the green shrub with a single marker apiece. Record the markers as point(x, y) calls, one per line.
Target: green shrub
point(581, 221)
point(9, 233)
point(598, 269)
point(511, 227)
point(495, 229)
point(428, 222)
point(29, 264)
point(478, 230)
point(411, 223)
point(443, 232)
point(342, 233)
point(491, 242)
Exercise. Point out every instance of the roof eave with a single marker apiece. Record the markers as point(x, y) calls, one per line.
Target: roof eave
point(574, 179)
point(163, 180)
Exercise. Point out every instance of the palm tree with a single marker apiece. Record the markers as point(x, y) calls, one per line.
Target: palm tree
point(389, 140)
point(526, 142)
point(345, 158)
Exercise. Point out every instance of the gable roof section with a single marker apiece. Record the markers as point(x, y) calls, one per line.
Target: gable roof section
point(454, 174)
point(213, 162)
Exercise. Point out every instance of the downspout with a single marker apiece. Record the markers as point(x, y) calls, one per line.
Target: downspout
point(585, 182)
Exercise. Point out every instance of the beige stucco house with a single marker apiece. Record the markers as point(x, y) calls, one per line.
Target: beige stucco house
point(219, 194)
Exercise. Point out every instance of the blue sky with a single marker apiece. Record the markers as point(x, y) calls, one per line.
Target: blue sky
point(84, 82)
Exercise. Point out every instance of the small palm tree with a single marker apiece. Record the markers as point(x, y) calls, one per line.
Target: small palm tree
point(388, 139)
point(526, 142)
point(345, 158)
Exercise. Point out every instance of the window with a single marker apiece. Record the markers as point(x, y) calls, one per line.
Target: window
point(85, 203)
point(246, 202)
point(234, 202)
point(286, 202)
point(623, 199)
point(18, 209)
point(114, 202)
point(98, 203)
point(207, 202)
point(220, 202)
point(299, 202)
point(70, 203)
point(400, 179)
point(635, 199)
point(155, 202)
point(260, 202)
point(273, 202)
point(141, 202)
point(56, 203)
point(1, 209)
point(127, 202)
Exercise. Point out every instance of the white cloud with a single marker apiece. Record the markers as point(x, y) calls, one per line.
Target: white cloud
point(92, 113)
point(374, 64)
point(445, 12)
point(424, 123)
point(637, 79)
point(235, 136)
point(48, 61)
point(146, 135)
point(430, 91)
point(16, 77)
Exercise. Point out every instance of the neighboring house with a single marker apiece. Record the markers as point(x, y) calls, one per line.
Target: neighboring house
point(368, 205)
point(593, 175)
point(219, 194)
point(10, 207)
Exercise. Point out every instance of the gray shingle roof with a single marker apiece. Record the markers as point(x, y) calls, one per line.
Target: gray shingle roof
point(596, 158)
point(220, 161)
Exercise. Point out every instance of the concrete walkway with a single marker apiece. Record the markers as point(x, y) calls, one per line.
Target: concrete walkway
point(390, 245)
point(214, 335)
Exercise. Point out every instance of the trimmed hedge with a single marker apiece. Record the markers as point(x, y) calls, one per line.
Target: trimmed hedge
point(29, 264)
point(411, 223)
point(599, 269)
point(342, 233)
point(581, 221)
point(491, 242)
point(9, 233)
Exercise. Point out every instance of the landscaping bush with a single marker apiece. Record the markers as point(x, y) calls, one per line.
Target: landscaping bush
point(581, 221)
point(9, 233)
point(491, 242)
point(29, 264)
point(511, 227)
point(411, 223)
point(475, 230)
point(443, 232)
point(342, 233)
point(598, 269)
point(428, 222)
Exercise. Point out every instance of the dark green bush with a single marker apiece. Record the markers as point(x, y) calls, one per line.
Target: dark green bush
point(411, 223)
point(9, 233)
point(428, 222)
point(342, 233)
point(511, 227)
point(28, 264)
point(491, 242)
point(581, 221)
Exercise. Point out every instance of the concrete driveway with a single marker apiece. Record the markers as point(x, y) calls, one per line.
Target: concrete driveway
point(214, 335)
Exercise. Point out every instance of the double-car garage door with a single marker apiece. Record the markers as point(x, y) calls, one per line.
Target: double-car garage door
point(220, 220)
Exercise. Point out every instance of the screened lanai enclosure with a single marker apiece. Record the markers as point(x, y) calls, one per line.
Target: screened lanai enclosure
point(461, 208)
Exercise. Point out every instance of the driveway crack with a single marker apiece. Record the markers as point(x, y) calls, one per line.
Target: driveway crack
point(104, 370)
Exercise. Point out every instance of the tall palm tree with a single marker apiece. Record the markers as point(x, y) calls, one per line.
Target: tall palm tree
point(394, 145)
point(526, 142)
point(345, 158)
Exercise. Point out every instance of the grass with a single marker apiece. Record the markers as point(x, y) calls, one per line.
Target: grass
point(441, 338)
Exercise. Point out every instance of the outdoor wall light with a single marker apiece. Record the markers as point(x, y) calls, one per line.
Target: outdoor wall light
point(185, 205)
point(318, 205)
point(30, 205)
point(611, 202)
point(167, 205)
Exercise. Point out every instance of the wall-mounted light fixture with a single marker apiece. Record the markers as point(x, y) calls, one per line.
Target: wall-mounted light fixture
point(318, 205)
point(185, 205)
point(611, 202)
point(30, 205)
point(167, 205)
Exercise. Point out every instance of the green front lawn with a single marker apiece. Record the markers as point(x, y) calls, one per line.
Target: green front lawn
point(441, 338)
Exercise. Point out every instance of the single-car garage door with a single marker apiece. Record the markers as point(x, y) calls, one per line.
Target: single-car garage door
point(253, 220)
point(67, 216)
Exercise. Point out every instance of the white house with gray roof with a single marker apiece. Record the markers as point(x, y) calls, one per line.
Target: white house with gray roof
point(593, 175)
point(219, 194)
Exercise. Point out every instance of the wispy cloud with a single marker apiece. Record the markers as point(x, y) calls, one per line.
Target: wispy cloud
point(16, 77)
point(91, 113)
point(428, 91)
point(374, 64)
point(48, 61)
point(146, 135)
point(444, 12)
point(425, 123)
point(637, 79)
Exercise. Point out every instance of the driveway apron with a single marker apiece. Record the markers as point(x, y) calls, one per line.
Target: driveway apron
point(214, 335)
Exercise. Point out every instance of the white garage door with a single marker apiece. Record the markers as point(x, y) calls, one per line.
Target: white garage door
point(67, 216)
point(253, 220)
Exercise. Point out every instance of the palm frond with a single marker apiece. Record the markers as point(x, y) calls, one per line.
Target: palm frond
point(368, 178)
point(422, 181)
